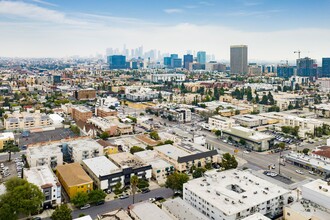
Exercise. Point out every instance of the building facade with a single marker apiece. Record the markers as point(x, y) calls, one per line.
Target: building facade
point(239, 59)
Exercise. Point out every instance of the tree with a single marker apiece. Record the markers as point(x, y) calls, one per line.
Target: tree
point(62, 212)
point(6, 102)
point(249, 94)
point(217, 133)
point(270, 98)
point(21, 197)
point(80, 199)
point(176, 180)
point(154, 135)
point(228, 161)
point(257, 98)
point(135, 149)
point(168, 142)
point(104, 135)
point(198, 172)
point(242, 142)
point(264, 100)
point(290, 107)
point(10, 147)
point(75, 129)
point(305, 151)
point(134, 182)
point(96, 196)
point(237, 112)
point(142, 183)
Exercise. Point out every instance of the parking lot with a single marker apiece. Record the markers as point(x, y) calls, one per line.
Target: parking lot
point(278, 177)
point(11, 169)
point(54, 135)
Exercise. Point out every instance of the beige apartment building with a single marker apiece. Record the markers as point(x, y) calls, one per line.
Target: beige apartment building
point(26, 121)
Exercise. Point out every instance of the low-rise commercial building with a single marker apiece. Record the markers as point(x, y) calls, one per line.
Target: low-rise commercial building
point(160, 168)
point(183, 160)
point(218, 122)
point(129, 165)
point(46, 180)
point(105, 112)
point(74, 179)
point(314, 205)
point(179, 115)
point(250, 121)
point(147, 211)
point(254, 140)
point(103, 125)
point(167, 77)
point(234, 194)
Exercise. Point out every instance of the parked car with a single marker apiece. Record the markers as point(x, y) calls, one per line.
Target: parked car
point(125, 196)
point(152, 199)
point(100, 202)
point(311, 172)
point(85, 206)
point(145, 190)
point(158, 198)
point(300, 172)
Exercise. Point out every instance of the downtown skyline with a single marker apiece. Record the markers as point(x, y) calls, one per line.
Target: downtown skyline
point(272, 30)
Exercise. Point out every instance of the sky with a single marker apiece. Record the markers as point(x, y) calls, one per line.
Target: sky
point(272, 29)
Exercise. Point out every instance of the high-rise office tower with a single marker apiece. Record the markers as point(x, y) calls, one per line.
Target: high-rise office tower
point(117, 62)
point(306, 67)
point(186, 60)
point(167, 61)
point(285, 71)
point(325, 67)
point(239, 59)
point(201, 57)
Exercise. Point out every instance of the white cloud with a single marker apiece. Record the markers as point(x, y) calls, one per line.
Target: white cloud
point(173, 10)
point(34, 12)
point(58, 35)
point(45, 3)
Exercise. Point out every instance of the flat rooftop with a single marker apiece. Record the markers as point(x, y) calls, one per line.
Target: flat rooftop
point(182, 210)
point(309, 210)
point(234, 191)
point(256, 216)
point(149, 211)
point(41, 176)
point(318, 186)
point(73, 174)
point(248, 117)
point(100, 166)
point(126, 159)
point(171, 151)
point(44, 151)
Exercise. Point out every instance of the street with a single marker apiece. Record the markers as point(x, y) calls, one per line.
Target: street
point(121, 203)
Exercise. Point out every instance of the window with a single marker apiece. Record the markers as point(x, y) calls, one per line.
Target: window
point(288, 213)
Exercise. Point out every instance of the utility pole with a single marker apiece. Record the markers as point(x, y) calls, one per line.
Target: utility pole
point(279, 164)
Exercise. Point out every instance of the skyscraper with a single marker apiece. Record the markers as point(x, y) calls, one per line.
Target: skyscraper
point(239, 59)
point(201, 57)
point(285, 71)
point(325, 67)
point(117, 62)
point(186, 60)
point(306, 67)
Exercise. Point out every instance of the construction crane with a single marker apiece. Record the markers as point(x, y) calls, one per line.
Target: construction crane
point(298, 52)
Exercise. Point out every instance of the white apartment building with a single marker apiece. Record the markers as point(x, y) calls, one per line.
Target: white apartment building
point(234, 194)
point(26, 120)
point(306, 125)
point(169, 77)
point(250, 121)
point(107, 102)
point(218, 122)
point(50, 155)
point(180, 114)
point(82, 149)
point(99, 167)
point(160, 168)
point(46, 180)
point(314, 205)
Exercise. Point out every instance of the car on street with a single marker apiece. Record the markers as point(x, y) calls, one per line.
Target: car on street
point(125, 196)
point(145, 190)
point(300, 172)
point(158, 198)
point(100, 202)
point(312, 172)
point(85, 206)
point(152, 199)
point(246, 152)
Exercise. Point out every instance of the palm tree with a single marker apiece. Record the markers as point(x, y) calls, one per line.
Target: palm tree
point(10, 147)
point(134, 182)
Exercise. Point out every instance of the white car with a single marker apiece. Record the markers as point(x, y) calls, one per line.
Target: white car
point(311, 172)
point(246, 152)
point(152, 199)
point(300, 172)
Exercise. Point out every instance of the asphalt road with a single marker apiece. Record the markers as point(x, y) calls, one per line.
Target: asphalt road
point(122, 203)
point(260, 160)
